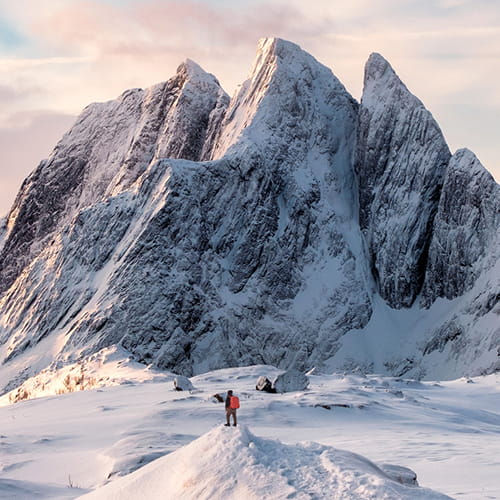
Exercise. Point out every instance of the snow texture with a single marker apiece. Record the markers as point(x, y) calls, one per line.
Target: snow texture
point(288, 225)
point(347, 436)
point(254, 468)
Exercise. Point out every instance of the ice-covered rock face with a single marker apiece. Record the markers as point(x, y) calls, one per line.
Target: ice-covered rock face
point(252, 257)
point(108, 148)
point(401, 162)
point(3, 230)
point(465, 240)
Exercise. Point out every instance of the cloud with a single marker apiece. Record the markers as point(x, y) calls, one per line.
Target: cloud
point(447, 51)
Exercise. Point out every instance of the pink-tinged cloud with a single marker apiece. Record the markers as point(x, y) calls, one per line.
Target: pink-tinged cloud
point(88, 50)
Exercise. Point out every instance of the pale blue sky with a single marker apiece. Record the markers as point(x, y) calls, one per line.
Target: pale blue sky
point(58, 56)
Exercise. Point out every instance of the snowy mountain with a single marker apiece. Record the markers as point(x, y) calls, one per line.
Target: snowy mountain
point(288, 225)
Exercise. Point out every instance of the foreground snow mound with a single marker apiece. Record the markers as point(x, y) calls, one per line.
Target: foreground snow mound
point(233, 463)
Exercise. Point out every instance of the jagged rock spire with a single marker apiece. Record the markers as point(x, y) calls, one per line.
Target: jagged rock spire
point(401, 162)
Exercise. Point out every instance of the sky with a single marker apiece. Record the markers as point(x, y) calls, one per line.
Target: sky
point(58, 56)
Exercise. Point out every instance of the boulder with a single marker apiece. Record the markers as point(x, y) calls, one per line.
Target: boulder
point(264, 384)
point(400, 474)
point(182, 383)
point(290, 381)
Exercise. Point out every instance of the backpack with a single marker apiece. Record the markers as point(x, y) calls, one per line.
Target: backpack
point(234, 403)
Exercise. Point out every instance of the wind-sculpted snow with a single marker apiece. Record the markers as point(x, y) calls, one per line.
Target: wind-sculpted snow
point(198, 232)
point(401, 161)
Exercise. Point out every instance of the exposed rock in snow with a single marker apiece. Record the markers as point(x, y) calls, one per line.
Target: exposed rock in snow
point(182, 383)
point(400, 474)
point(290, 381)
point(264, 384)
point(233, 463)
point(401, 161)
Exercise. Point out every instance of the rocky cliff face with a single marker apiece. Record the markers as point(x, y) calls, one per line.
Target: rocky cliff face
point(252, 257)
point(401, 162)
point(465, 232)
point(200, 232)
point(109, 146)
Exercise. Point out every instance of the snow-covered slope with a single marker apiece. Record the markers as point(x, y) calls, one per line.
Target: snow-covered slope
point(65, 446)
point(288, 225)
point(234, 463)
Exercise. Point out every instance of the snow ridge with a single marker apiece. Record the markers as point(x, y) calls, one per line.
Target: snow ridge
point(250, 467)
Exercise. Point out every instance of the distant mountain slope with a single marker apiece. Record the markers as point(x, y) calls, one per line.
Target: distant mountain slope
point(199, 232)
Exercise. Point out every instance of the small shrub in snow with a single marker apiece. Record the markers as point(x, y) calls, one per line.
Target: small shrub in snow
point(20, 395)
point(77, 382)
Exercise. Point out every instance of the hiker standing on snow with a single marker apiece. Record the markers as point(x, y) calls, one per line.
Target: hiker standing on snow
point(232, 404)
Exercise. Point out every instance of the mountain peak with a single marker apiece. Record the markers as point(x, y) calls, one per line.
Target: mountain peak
point(377, 68)
point(402, 156)
point(276, 45)
point(199, 232)
point(466, 159)
point(190, 70)
point(270, 51)
point(283, 86)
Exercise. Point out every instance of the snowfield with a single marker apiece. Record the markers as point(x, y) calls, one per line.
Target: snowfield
point(143, 439)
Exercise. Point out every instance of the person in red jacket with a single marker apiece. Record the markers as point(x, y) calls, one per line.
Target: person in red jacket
point(232, 403)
